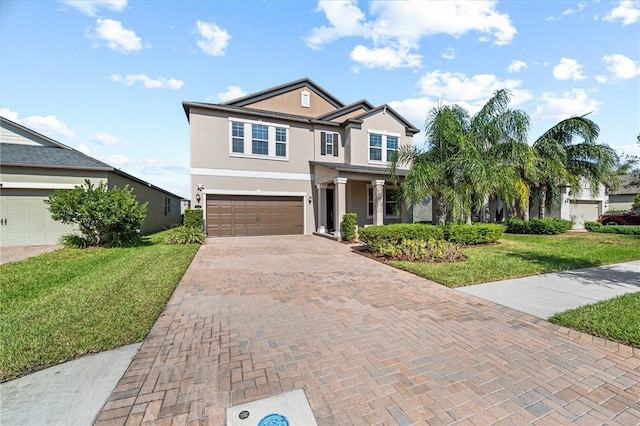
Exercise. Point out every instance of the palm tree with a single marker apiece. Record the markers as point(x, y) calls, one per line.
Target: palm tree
point(467, 159)
point(563, 162)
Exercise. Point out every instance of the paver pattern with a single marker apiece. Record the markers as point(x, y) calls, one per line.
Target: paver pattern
point(256, 317)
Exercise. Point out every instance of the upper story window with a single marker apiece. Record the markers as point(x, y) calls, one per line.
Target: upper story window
point(382, 146)
point(329, 144)
point(258, 139)
point(237, 137)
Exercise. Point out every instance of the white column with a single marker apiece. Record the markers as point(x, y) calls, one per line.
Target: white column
point(378, 202)
point(340, 202)
point(322, 206)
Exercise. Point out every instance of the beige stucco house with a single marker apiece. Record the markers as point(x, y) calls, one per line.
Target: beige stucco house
point(622, 198)
point(293, 159)
point(33, 166)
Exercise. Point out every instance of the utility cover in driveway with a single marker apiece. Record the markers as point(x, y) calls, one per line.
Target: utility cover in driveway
point(240, 215)
point(291, 408)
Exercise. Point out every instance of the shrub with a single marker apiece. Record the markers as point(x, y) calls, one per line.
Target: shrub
point(75, 241)
point(473, 234)
point(538, 226)
point(184, 235)
point(349, 226)
point(193, 218)
point(377, 237)
point(619, 229)
point(111, 216)
point(592, 226)
point(636, 202)
point(431, 250)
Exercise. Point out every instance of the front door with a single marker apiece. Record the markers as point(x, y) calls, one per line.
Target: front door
point(330, 223)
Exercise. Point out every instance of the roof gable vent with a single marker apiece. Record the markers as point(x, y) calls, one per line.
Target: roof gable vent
point(305, 99)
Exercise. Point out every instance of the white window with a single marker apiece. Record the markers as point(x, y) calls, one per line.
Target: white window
point(329, 143)
point(305, 98)
point(258, 139)
point(382, 146)
point(391, 202)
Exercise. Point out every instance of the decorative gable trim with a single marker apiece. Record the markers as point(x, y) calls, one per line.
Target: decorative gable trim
point(284, 88)
point(386, 109)
point(362, 104)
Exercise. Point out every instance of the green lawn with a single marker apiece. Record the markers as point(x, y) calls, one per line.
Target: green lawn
point(615, 319)
point(523, 255)
point(63, 304)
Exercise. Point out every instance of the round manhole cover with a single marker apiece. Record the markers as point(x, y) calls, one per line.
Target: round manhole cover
point(274, 420)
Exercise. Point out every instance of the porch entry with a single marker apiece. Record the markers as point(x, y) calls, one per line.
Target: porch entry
point(330, 213)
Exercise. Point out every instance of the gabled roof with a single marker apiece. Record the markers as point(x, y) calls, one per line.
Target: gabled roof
point(386, 109)
point(361, 104)
point(55, 155)
point(283, 88)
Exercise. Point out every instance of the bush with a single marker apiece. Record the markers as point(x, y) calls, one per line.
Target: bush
point(379, 237)
point(473, 234)
point(636, 202)
point(592, 226)
point(184, 235)
point(538, 226)
point(616, 229)
point(193, 218)
point(104, 216)
point(421, 250)
point(349, 226)
point(75, 241)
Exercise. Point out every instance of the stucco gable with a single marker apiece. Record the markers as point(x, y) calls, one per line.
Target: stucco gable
point(288, 99)
point(349, 111)
point(386, 109)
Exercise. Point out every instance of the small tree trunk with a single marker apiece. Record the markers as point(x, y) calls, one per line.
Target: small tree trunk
point(441, 212)
point(525, 210)
point(543, 201)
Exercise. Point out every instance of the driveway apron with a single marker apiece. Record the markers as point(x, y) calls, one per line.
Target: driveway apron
point(255, 317)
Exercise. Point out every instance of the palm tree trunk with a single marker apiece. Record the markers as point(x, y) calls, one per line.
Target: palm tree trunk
point(441, 210)
point(543, 201)
point(525, 210)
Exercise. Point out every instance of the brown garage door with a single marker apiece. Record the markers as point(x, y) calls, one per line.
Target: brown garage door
point(239, 215)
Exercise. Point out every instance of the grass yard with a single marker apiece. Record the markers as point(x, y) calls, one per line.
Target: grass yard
point(70, 302)
point(614, 319)
point(524, 255)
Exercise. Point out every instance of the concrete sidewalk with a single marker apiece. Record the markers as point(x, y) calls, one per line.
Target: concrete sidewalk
point(545, 295)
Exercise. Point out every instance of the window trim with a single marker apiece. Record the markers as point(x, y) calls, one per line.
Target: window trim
point(383, 148)
point(248, 139)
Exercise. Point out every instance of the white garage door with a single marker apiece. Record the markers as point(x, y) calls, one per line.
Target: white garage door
point(25, 219)
point(584, 210)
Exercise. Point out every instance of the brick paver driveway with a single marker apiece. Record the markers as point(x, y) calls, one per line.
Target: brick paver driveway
point(256, 317)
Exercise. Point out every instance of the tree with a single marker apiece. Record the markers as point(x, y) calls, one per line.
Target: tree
point(467, 159)
point(104, 216)
point(563, 162)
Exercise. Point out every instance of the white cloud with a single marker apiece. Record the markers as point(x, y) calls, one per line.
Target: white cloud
point(457, 87)
point(213, 39)
point(148, 82)
point(115, 36)
point(621, 66)
point(568, 69)
point(601, 79)
point(516, 65)
point(385, 57)
point(103, 138)
point(449, 53)
point(233, 92)
point(569, 11)
point(564, 105)
point(628, 11)
point(399, 26)
point(90, 7)
point(48, 125)
point(83, 149)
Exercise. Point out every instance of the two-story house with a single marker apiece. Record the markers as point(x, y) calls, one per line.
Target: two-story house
point(293, 159)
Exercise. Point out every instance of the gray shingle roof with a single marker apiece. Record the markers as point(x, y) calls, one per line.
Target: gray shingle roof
point(47, 156)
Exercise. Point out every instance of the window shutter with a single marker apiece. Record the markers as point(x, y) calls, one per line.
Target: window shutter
point(335, 144)
point(323, 143)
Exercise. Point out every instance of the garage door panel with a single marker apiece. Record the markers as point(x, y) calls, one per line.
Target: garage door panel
point(254, 215)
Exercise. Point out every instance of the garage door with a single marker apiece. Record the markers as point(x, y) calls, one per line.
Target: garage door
point(583, 211)
point(25, 219)
point(236, 216)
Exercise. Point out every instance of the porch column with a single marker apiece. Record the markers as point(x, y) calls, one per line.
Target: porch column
point(378, 202)
point(340, 203)
point(322, 205)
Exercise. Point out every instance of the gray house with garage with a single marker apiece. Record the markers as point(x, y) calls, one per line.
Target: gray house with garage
point(293, 159)
point(33, 166)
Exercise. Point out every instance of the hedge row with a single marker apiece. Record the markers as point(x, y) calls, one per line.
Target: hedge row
point(612, 229)
point(381, 237)
point(538, 226)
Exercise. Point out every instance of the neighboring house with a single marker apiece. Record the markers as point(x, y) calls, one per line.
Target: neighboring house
point(622, 198)
point(33, 166)
point(294, 159)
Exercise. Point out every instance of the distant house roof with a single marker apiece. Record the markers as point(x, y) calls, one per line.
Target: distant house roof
point(626, 187)
point(55, 155)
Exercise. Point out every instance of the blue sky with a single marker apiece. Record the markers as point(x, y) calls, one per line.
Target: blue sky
point(108, 77)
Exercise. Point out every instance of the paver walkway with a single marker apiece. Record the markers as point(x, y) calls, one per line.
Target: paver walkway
point(256, 317)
